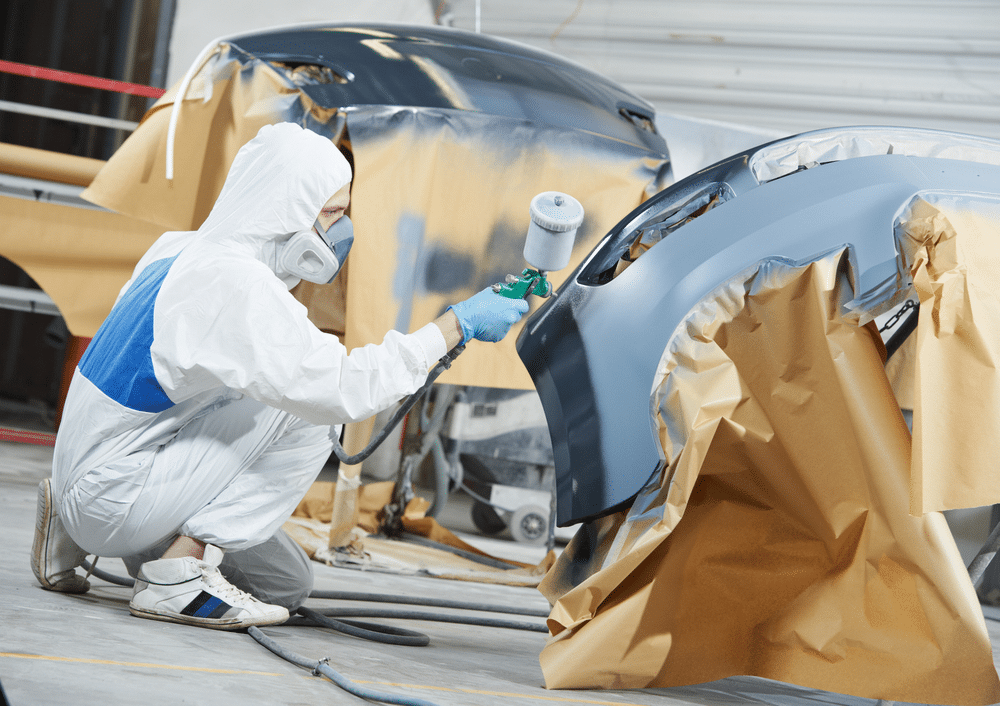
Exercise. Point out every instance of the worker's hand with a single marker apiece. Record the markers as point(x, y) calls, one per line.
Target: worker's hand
point(488, 316)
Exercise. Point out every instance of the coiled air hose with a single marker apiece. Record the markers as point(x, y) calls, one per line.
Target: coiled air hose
point(327, 618)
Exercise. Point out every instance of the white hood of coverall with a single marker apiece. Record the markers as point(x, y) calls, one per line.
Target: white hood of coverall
point(276, 186)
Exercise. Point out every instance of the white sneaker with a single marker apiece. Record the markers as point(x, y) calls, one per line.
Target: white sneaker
point(54, 554)
point(193, 592)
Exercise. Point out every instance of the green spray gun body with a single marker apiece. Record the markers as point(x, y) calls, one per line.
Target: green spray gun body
point(520, 286)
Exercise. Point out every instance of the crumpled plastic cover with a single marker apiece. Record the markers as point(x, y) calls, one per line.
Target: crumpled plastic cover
point(777, 542)
point(366, 548)
point(810, 149)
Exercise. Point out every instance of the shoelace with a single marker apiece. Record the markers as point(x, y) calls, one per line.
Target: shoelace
point(225, 590)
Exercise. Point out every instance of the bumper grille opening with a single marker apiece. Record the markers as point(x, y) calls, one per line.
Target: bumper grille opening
point(659, 220)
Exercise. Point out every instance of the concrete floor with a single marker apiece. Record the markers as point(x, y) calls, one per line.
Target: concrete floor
point(61, 649)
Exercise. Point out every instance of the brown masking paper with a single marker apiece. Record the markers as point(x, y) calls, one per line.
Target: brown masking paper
point(33, 163)
point(777, 542)
point(80, 257)
point(230, 98)
point(952, 248)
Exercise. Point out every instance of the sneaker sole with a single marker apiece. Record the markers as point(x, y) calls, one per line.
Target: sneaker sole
point(212, 623)
point(43, 515)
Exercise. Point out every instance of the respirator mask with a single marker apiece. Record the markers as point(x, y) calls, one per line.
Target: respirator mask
point(316, 255)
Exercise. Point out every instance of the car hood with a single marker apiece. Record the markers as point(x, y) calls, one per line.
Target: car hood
point(437, 67)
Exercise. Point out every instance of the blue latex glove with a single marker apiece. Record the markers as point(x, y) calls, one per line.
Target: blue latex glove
point(488, 316)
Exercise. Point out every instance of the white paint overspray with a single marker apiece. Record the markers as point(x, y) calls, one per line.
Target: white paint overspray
point(409, 262)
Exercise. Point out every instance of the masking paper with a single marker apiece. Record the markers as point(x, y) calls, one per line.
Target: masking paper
point(444, 196)
point(80, 257)
point(951, 246)
point(777, 542)
point(32, 163)
point(231, 97)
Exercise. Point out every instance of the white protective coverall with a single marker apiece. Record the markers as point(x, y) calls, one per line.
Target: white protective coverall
point(203, 406)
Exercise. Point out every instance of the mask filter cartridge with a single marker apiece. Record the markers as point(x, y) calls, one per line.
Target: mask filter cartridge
point(316, 255)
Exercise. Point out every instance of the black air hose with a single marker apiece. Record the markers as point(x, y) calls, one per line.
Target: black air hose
point(403, 410)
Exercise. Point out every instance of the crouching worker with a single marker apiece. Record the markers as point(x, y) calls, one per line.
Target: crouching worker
point(203, 408)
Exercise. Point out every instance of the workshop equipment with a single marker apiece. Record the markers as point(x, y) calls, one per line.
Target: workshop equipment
point(493, 443)
point(502, 442)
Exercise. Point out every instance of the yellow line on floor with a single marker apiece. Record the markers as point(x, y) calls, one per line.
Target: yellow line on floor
point(138, 664)
point(406, 686)
point(559, 699)
point(535, 697)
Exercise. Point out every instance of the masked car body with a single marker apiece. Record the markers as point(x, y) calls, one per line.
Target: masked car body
point(436, 67)
point(724, 421)
point(450, 133)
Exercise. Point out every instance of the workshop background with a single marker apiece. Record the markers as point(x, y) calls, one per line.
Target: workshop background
point(723, 75)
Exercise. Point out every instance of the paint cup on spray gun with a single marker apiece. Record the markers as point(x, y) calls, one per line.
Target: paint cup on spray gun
point(555, 218)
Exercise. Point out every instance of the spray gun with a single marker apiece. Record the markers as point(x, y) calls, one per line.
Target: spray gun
point(547, 247)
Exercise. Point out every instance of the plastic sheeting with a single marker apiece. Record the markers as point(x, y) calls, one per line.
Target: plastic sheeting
point(363, 547)
point(810, 149)
point(777, 542)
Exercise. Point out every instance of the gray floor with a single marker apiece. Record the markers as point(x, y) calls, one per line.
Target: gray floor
point(59, 649)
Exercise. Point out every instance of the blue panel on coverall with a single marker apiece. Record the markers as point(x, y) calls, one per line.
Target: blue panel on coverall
point(118, 359)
